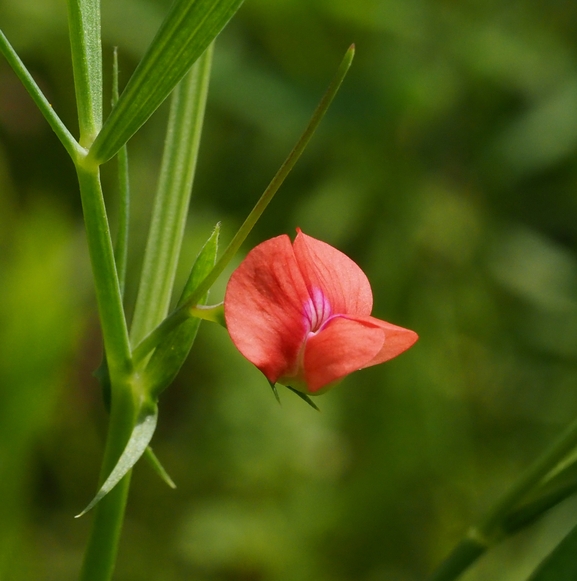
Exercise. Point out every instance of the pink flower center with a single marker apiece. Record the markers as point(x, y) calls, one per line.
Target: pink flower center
point(317, 311)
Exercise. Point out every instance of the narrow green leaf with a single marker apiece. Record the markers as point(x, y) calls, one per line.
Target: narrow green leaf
point(121, 244)
point(136, 446)
point(66, 138)
point(172, 199)
point(204, 262)
point(187, 31)
point(561, 564)
point(170, 355)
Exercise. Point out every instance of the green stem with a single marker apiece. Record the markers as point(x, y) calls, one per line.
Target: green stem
point(172, 198)
point(66, 138)
point(102, 548)
point(85, 45)
point(182, 313)
point(114, 331)
point(492, 528)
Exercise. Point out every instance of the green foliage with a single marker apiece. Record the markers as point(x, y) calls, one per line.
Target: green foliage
point(187, 31)
point(136, 446)
point(170, 210)
point(171, 354)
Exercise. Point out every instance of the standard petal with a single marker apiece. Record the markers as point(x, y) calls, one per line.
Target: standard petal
point(344, 345)
point(339, 278)
point(397, 340)
point(263, 307)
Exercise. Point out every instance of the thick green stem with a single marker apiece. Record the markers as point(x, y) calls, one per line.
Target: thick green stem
point(492, 528)
point(172, 198)
point(102, 548)
point(114, 331)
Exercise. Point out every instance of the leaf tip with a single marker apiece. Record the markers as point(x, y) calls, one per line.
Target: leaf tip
point(88, 508)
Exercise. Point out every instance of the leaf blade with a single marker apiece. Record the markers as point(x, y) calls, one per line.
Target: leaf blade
point(188, 29)
point(172, 198)
point(136, 446)
point(170, 355)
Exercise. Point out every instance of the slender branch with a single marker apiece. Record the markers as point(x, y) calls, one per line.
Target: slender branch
point(65, 137)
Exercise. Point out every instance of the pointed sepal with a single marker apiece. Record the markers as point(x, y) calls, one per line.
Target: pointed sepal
point(275, 392)
point(304, 397)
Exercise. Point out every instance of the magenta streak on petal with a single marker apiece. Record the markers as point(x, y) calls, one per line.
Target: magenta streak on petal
point(317, 311)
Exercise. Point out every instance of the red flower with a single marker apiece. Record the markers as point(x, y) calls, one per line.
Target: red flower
point(301, 313)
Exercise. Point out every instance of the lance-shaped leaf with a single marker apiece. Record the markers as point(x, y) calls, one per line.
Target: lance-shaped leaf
point(172, 199)
point(561, 564)
point(169, 356)
point(136, 446)
point(189, 28)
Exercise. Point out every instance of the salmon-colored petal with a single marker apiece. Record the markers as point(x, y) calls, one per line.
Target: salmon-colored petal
point(338, 277)
point(263, 307)
point(344, 345)
point(397, 340)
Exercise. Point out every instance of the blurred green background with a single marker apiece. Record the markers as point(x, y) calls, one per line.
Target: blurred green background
point(446, 168)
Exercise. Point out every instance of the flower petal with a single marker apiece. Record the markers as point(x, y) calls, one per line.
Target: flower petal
point(344, 345)
point(339, 278)
point(397, 340)
point(263, 307)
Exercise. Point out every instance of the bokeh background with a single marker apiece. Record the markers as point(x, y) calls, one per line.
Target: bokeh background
point(447, 168)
